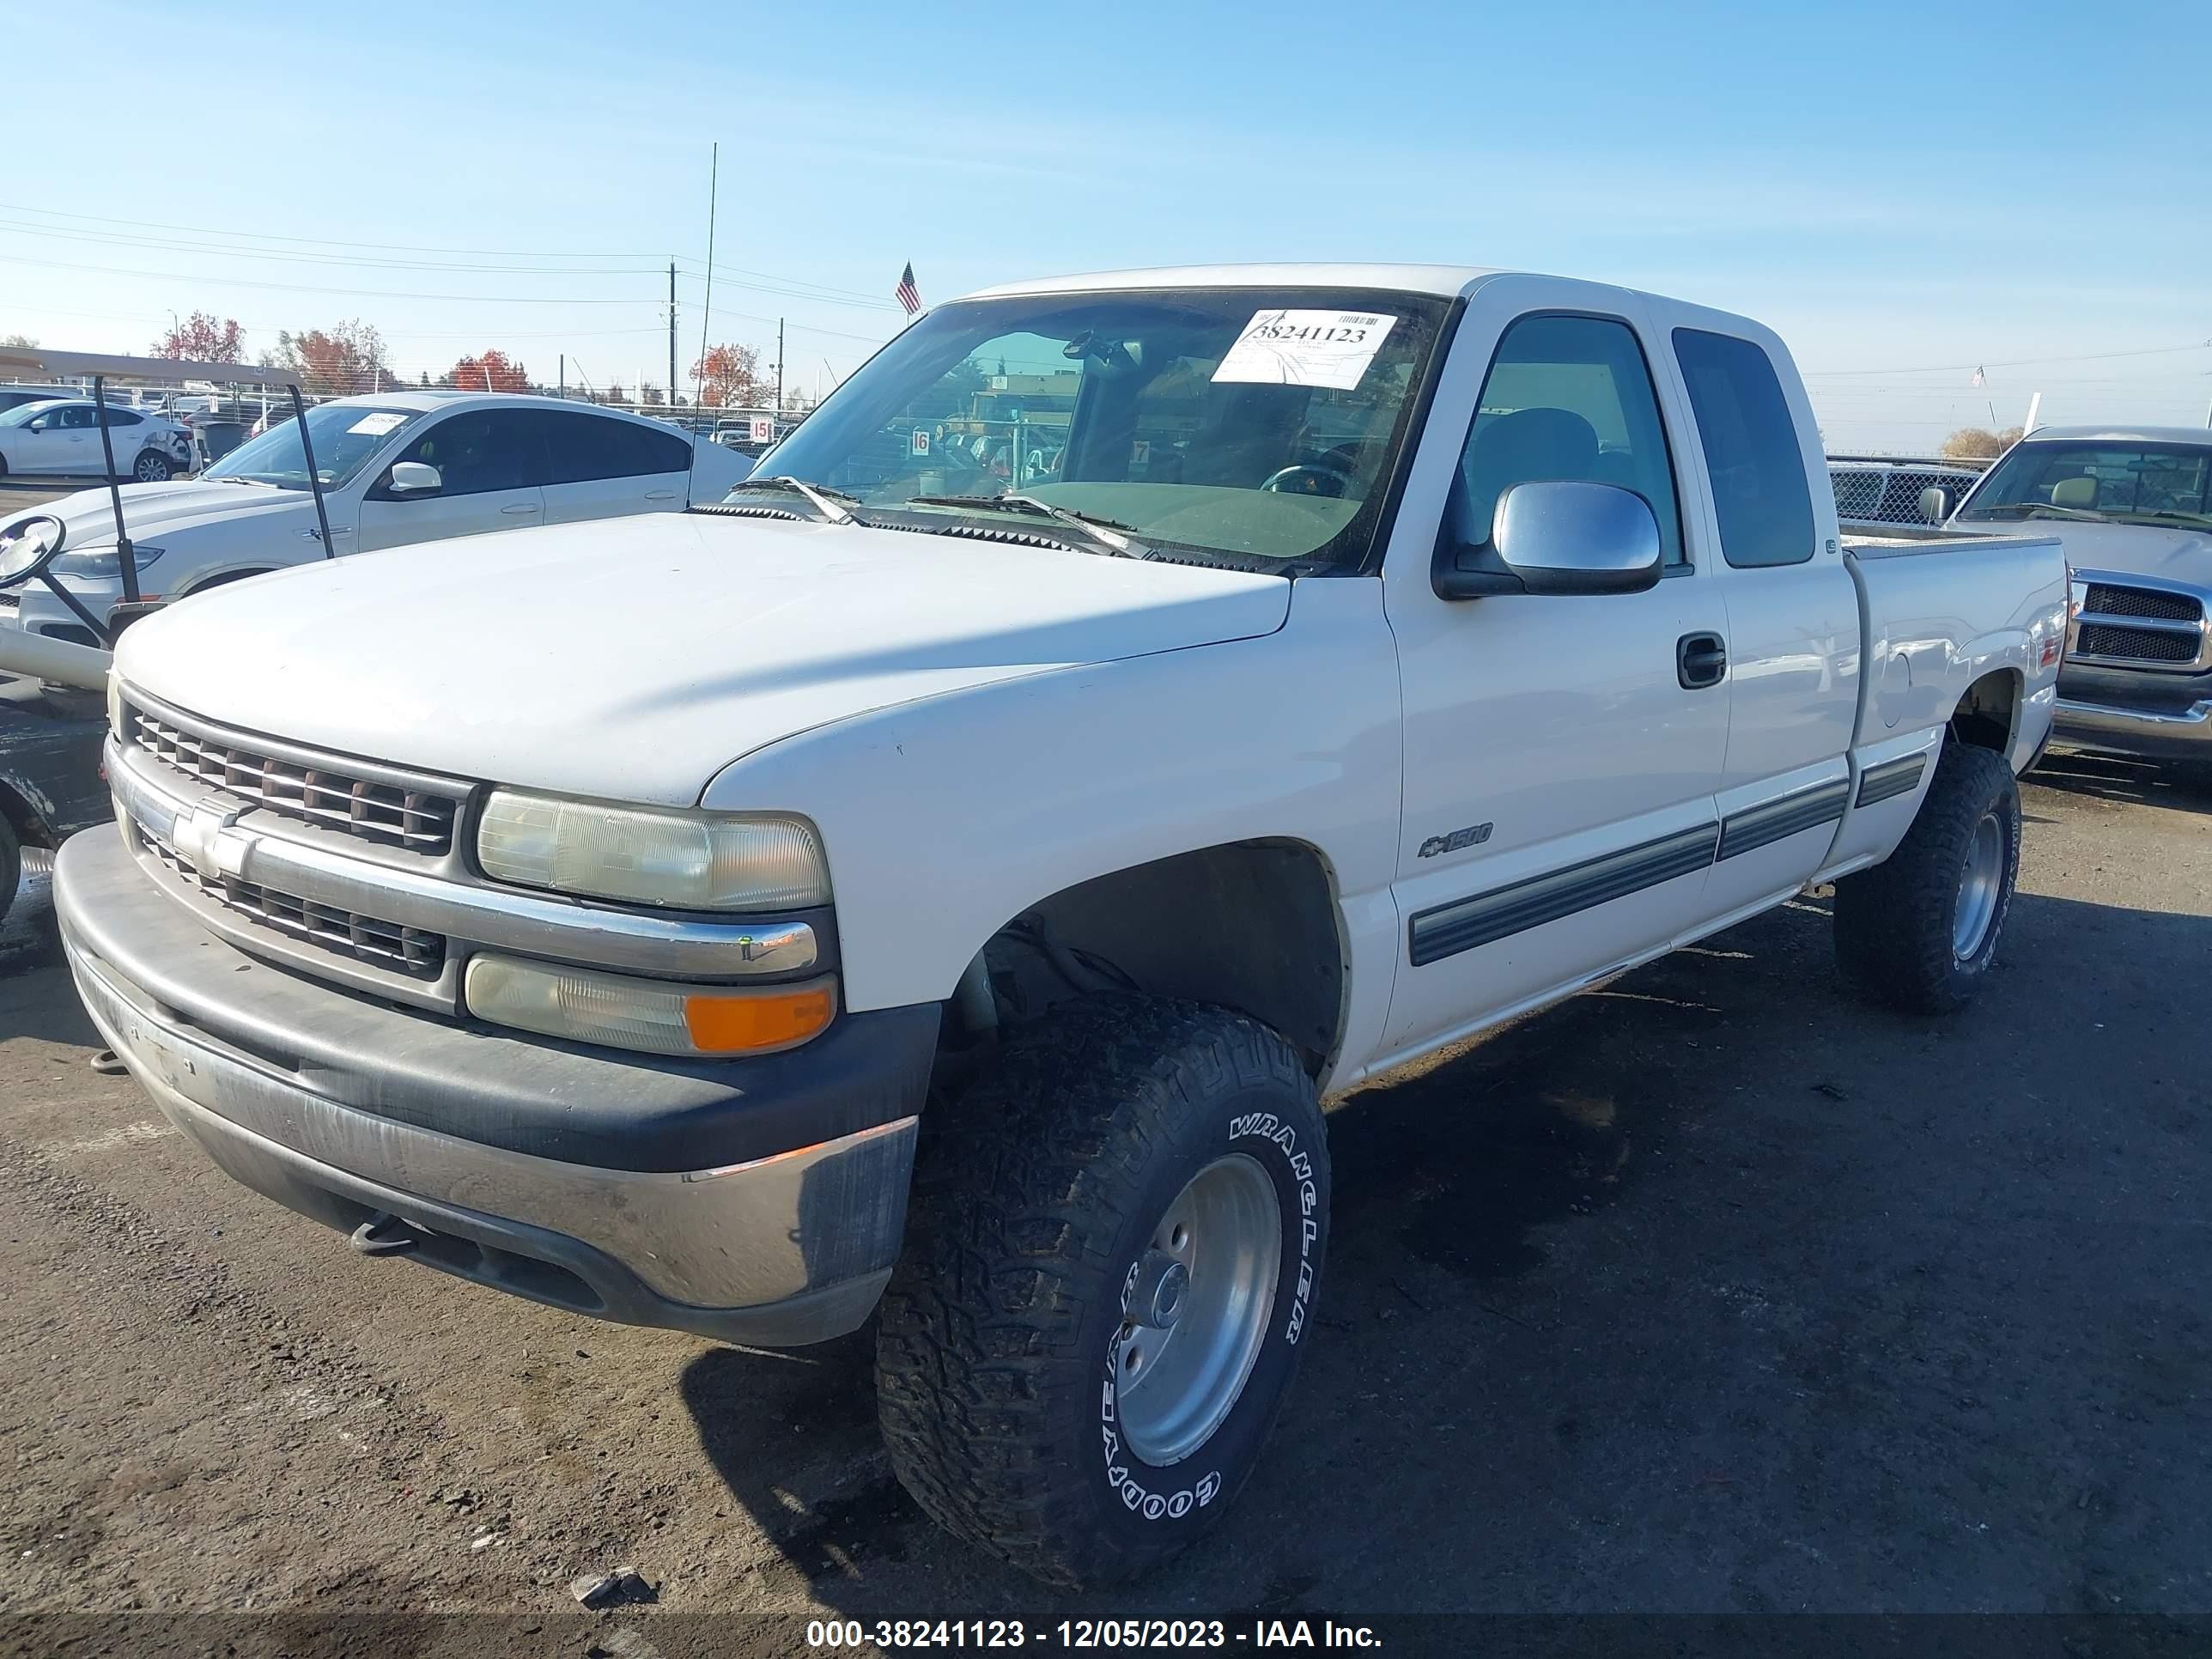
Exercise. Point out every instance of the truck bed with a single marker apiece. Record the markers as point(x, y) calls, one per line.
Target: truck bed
point(1888, 541)
point(1933, 626)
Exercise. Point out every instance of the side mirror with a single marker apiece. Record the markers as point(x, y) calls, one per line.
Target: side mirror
point(1936, 503)
point(1556, 536)
point(39, 424)
point(27, 548)
point(415, 478)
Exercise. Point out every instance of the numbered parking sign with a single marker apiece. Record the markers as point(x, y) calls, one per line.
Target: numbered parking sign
point(920, 441)
point(764, 429)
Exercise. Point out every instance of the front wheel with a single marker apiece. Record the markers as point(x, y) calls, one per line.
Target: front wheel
point(1115, 1241)
point(1919, 931)
point(152, 467)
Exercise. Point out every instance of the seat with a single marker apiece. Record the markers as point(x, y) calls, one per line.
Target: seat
point(1526, 446)
point(1251, 435)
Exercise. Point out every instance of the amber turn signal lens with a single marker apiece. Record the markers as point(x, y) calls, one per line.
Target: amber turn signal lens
point(586, 1006)
point(757, 1020)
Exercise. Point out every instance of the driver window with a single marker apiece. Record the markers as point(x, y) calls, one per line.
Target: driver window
point(76, 417)
point(1567, 399)
point(480, 452)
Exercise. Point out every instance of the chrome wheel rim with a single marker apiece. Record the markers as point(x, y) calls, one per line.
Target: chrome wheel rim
point(1979, 883)
point(1195, 1310)
point(148, 469)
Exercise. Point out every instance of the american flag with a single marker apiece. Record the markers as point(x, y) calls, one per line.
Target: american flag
point(909, 294)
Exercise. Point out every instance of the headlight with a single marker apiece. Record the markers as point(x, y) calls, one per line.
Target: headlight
point(585, 1005)
point(684, 860)
point(104, 562)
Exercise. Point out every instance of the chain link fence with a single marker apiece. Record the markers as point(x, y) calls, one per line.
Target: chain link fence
point(1886, 489)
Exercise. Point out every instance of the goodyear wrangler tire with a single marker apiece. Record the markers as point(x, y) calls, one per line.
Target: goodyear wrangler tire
point(1115, 1243)
point(1919, 931)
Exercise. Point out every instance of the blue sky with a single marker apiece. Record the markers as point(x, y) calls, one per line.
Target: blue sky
point(1903, 193)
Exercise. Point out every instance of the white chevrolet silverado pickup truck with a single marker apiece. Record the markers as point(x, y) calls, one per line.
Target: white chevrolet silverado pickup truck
point(943, 882)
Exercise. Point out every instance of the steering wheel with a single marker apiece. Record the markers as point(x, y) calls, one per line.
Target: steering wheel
point(1308, 479)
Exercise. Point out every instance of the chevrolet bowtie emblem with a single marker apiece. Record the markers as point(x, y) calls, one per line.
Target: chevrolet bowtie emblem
point(194, 836)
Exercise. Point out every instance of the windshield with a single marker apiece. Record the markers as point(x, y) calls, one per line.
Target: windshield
point(345, 437)
point(1260, 423)
point(24, 414)
point(2129, 483)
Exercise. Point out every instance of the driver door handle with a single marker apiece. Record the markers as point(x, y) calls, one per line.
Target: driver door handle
point(519, 510)
point(1700, 661)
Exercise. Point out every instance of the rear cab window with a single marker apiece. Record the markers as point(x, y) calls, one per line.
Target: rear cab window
point(1761, 497)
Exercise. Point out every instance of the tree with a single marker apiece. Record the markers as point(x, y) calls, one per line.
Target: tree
point(489, 371)
point(335, 361)
point(650, 393)
point(615, 394)
point(728, 377)
point(1978, 443)
point(23, 340)
point(202, 338)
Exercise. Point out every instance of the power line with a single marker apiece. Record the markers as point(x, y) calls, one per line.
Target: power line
point(2017, 362)
point(308, 287)
point(356, 261)
point(233, 244)
point(314, 241)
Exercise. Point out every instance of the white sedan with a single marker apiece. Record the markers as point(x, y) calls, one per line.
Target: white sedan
point(61, 439)
point(396, 468)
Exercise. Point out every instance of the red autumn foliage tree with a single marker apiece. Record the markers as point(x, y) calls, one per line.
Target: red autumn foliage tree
point(202, 338)
point(728, 377)
point(489, 371)
point(337, 361)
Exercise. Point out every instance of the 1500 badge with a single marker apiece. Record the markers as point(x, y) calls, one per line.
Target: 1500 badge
point(1473, 836)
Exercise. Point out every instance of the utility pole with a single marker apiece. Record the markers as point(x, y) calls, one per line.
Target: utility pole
point(779, 366)
point(672, 333)
point(564, 375)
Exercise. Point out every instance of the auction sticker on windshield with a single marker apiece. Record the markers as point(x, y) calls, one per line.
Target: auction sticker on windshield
point(1328, 349)
point(376, 426)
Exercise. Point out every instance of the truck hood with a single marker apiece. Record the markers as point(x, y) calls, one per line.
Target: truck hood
point(153, 510)
point(2170, 552)
point(633, 659)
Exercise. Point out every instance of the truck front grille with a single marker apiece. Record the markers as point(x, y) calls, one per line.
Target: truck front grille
point(2107, 601)
point(410, 950)
point(2139, 644)
point(324, 792)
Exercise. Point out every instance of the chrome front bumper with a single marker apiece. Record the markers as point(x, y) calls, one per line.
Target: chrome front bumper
point(777, 1250)
point(2180, 735)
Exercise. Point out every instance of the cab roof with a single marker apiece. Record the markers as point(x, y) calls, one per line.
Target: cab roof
point(1446, 282)
point(2197, 436)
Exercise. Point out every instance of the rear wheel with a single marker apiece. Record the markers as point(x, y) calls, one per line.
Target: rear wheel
point(151, 467)
point(1115, 1239)
point(1920, 931)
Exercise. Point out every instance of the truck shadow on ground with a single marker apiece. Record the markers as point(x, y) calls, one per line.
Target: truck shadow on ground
point(1542, 1239)
point(2126, 783)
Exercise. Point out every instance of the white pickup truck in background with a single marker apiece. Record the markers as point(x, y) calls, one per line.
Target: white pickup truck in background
point(398, 468)
point(1369, 654)
point(2132, 506)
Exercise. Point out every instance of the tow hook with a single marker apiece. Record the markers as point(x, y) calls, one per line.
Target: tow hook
point(382, 1234)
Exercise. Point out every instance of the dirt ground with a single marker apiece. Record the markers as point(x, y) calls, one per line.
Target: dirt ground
point(1709, 1293)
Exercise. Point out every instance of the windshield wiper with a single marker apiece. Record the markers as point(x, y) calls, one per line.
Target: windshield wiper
point(825, 501)
point(1109, 533)
point(2168, 518)
point(2028, 509)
